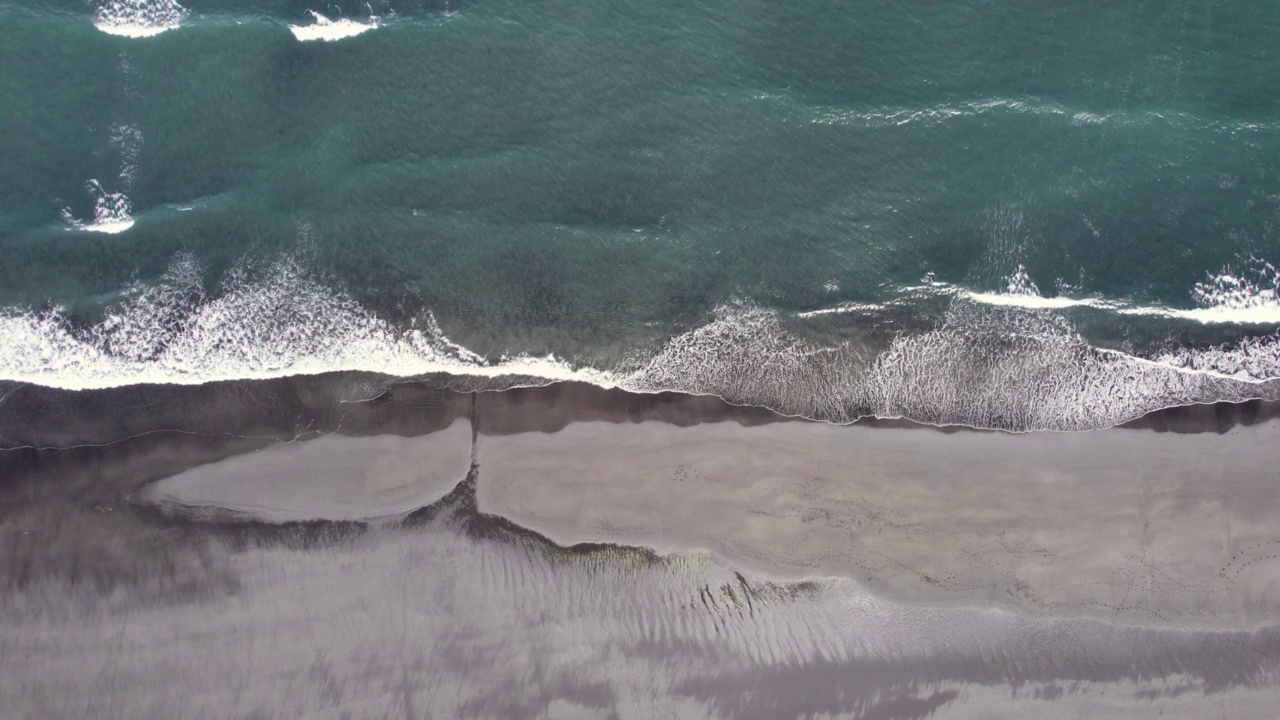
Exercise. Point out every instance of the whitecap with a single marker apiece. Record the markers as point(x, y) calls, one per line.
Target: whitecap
point(1245, 295)
point(1035, 302)
point(1022, 292)
point(1250, 294)
point(846, 308)
point(138, 18)
point(1256, 315)
point(110, 227)
point(893, 116)
point(112, 212)
point(329, 30)
point(1230, 297)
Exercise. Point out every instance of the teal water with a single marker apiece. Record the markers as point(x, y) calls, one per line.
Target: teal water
point(829, 208)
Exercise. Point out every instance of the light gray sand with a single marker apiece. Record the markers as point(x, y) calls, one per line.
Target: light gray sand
point(1127, 525)
point(429, 622)
point(328, 478)
point(112, 611)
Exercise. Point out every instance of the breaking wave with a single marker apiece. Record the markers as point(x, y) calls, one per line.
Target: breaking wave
point(1249, 295)
point(278, 322)
point(985, 365)
point(138, 18)
point(112, 211)
point(323, 28)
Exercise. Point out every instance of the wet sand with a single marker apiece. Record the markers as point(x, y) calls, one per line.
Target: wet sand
point(331, 477)
point(591, 553)
point(1123, 525)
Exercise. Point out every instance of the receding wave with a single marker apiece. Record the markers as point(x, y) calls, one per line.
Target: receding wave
point(984, 365)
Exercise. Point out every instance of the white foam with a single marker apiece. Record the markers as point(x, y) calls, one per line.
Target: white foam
point(1035, 302)
point(987, 365)
point(329, 30)
point(1244, 295)
point(127, 140)
point(847, 308)
point(1257, 315)
point(112, 212)
point(138, 18)
point(1228, 298)
point(1021, 291)
point(276, 323)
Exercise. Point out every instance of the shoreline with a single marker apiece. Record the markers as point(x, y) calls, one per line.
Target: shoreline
point(43, 418)
point(637, 541)
point(1135, 523)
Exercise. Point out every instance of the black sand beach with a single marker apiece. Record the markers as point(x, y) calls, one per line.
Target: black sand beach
point(336, 546)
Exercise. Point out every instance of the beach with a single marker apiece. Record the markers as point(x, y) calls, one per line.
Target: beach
point(568, 551)
point(491, 359)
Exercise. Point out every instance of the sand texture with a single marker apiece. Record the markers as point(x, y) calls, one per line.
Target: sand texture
point(1127, 525)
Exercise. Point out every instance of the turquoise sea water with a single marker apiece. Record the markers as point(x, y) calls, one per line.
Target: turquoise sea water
point(1020, 215)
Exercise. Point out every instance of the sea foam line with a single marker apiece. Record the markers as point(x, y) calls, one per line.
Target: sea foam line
point(986, 366)
point(891, 116)
point(280, 323)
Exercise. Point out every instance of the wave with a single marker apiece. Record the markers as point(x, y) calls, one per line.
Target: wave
point(279, 322)
point(984, 365)
point(322, 28)
point(1032, 106)
point(1022, 292)
point(147, 18)
point(112, 211)
point(138, 18)
point(1249, 296)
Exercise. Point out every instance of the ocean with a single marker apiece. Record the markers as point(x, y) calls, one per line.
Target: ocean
point(1002, 215)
